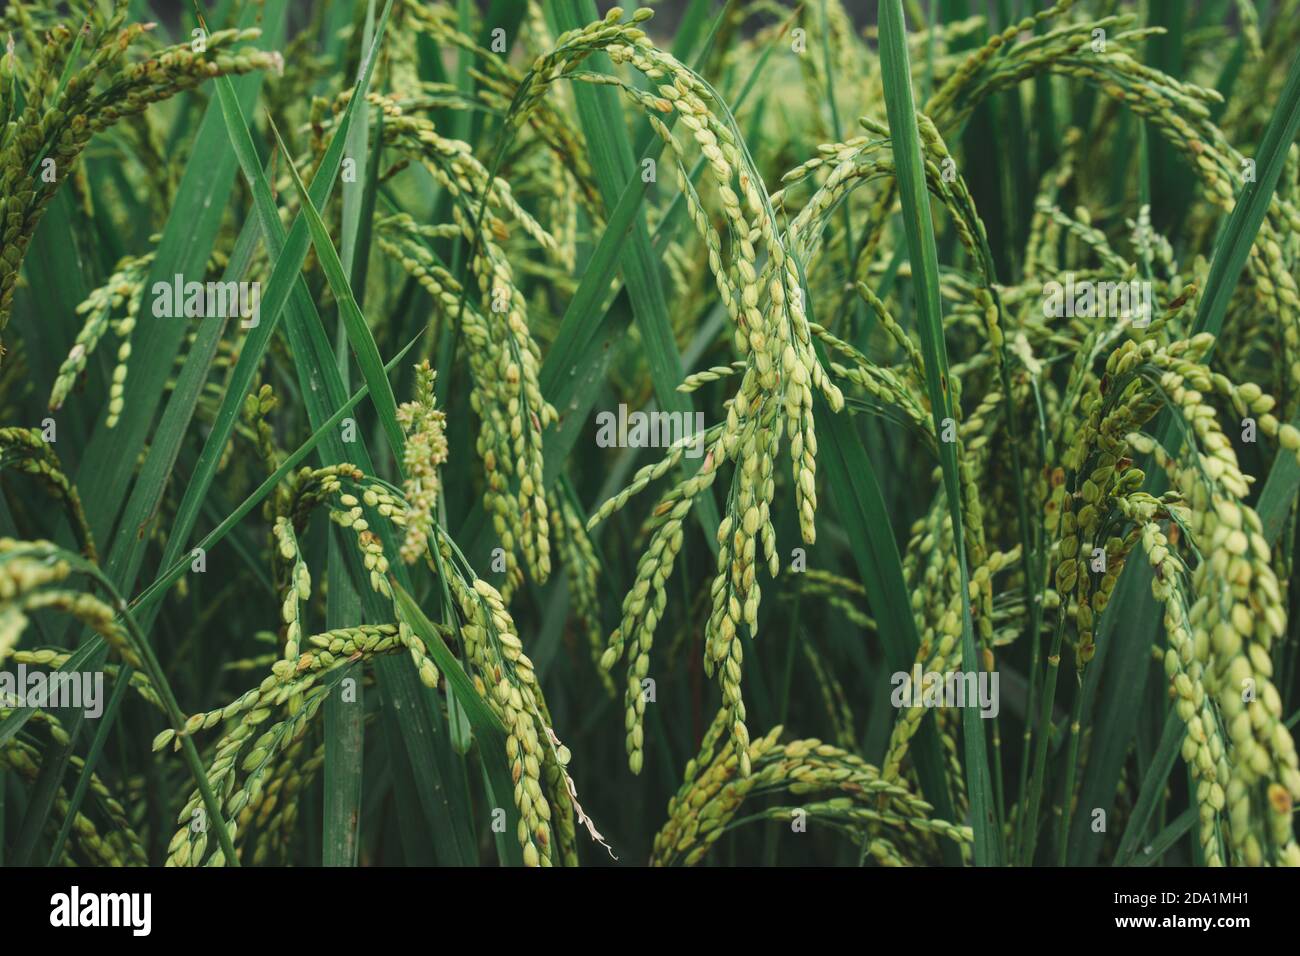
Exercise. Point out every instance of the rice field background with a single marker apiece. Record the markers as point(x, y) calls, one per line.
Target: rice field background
point(742, 433)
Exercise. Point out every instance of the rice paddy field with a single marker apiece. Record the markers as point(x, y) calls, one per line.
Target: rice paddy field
point(745, 433)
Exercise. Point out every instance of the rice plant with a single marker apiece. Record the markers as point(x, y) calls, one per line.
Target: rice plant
point(725, 432)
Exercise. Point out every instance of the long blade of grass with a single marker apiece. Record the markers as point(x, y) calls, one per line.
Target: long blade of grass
point(485, 722)
point(905, 138)
point(345, 720)
point(1167, 837)
point(344, 727)
point(363, 343)
point(354, 188)
point(1153, 787)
